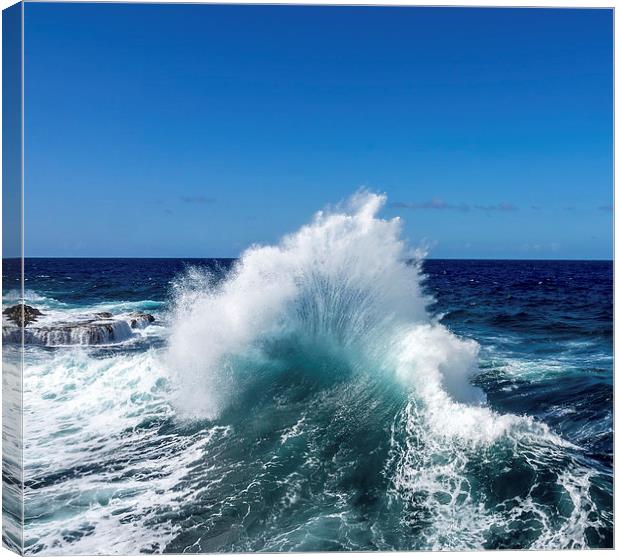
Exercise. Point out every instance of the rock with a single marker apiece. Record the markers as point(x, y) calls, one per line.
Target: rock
point(21, 314)
point(87, 333)
point(139, 320)
point(91, 329)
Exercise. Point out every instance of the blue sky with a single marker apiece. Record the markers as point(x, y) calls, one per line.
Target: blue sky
point(195, 131)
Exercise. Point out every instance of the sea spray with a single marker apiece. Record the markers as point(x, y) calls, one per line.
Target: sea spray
point(347, 287)
point(346, 280)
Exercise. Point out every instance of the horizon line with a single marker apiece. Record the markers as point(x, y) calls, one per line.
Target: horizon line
point(238, 257)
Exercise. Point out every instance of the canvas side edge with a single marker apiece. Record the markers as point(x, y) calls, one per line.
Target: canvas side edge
point(12, 278)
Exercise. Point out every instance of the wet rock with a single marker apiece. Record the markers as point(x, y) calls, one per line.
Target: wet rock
point(21, 314)
point(86, 330)
point(139, 320)
point(86, 333)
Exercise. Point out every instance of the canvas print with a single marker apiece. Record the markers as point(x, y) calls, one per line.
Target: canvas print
point(306, 278)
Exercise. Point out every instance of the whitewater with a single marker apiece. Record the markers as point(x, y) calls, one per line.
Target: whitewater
point(304, 397)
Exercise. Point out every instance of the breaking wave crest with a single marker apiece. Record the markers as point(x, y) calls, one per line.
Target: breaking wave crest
point(346, 284)
point(345, 287)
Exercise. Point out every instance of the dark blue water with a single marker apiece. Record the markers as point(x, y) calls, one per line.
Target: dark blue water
point(545, 331)
point(555, 318)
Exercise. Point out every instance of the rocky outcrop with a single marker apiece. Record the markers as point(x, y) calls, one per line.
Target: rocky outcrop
point(139, 320)
point(85, 333)
point(97, 329)
point(21, 314)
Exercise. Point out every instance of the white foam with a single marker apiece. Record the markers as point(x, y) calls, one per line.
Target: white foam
point(81, 412)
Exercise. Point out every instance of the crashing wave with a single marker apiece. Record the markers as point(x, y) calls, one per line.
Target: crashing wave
point(344, 297)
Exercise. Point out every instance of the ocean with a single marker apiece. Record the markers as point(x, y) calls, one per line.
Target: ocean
point(334, 392)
